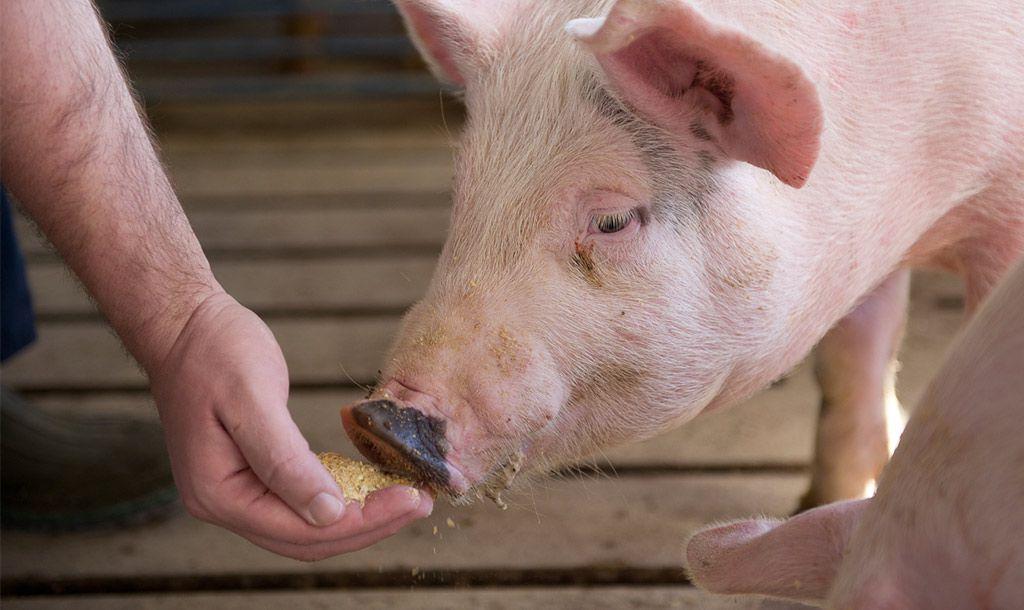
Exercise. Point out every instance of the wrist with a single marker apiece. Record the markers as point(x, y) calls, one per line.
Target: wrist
point(151, 339)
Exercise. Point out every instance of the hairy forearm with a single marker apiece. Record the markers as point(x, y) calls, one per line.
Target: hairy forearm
point(76, 153)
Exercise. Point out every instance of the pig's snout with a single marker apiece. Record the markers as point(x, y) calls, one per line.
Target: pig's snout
point(400, 438)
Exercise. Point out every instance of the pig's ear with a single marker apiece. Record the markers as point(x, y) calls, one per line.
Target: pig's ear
point(794, 559)
point(440, 30)
point(667, 60)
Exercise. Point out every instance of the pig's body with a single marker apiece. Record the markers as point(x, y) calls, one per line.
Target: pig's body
point(922, 154)
point(946, 529)
point(613, 268)
point(921, 164)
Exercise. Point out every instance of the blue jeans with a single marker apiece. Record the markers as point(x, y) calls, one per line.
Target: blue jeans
point(17, 321)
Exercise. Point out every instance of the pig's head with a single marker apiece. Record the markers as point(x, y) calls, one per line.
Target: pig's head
point(608, 271)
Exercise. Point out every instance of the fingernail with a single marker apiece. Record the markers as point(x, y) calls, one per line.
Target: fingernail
point(325, 509)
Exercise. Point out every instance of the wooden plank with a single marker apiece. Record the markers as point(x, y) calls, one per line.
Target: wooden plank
point(318, 285)
point(321, 85)
point(510, 598)
point(356, 281)
point(338, 181)
point(328, 350)
point(286, 230)
point(339, 228)
point(307, 41)
point(430, 136)
point(310, 117)
point(334, 157)
point(426, 146)
point(638, 521)
point(87, 355)
point(774, 427)
point(149, 10)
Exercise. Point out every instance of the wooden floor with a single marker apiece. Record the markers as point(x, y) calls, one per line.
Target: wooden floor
point(327, 221)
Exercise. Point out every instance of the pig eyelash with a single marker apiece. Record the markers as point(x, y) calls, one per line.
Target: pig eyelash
point(614, 222)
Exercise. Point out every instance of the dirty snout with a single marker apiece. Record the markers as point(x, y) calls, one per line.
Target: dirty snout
point(402, 439)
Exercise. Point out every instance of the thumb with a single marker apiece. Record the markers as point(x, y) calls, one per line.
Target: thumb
point(280, 456)
point(796, 559)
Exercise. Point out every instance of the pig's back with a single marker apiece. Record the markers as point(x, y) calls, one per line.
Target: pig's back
point(923, 104)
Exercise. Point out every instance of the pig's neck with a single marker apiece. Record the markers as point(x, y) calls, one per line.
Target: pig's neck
point(910, 146)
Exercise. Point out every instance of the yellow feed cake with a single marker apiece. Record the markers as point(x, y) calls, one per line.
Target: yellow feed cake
point(358, 479)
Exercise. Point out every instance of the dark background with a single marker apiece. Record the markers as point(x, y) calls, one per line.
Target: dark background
point(197, 50)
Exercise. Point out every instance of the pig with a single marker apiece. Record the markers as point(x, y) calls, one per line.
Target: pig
point(946, 528)
point(662, 206)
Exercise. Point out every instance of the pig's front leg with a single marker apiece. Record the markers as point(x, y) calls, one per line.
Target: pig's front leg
point(856, 369)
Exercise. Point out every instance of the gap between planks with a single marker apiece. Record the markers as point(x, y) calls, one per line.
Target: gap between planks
point(614, 597)
point(590, 576)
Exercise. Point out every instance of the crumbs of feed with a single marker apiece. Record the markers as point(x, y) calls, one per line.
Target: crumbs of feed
point(358, 479)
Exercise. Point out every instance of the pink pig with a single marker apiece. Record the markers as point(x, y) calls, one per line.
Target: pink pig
point(946, 529)
point(661, 210)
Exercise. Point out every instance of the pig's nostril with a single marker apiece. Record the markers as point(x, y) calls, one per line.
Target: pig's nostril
point(403, 439)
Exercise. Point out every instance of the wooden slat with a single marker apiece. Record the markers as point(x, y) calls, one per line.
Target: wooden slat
point(284, 230)
point(335, 163)
point(382, 84)
point(327, 155)
point(511, 598)
point(430, 136)
point(381, 118)
point(338, 181)
point(236, 48)
point(630, 521)
point(149, 10)
point(774, 427)
point(318, 285)
point(87, 355)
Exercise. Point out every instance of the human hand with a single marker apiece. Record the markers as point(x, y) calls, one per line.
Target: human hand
point(239, 460)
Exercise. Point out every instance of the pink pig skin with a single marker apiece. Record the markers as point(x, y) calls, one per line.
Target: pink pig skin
point(661, 206)
point(946, 529)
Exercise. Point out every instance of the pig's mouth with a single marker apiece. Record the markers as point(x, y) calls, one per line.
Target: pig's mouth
point(401, 439)
point(408, 442)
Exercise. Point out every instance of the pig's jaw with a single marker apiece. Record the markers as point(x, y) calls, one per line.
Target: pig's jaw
point(558, 445)
point(498, 480)
point(482, 455)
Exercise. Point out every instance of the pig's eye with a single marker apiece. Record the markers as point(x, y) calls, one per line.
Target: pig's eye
point(613, 223)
